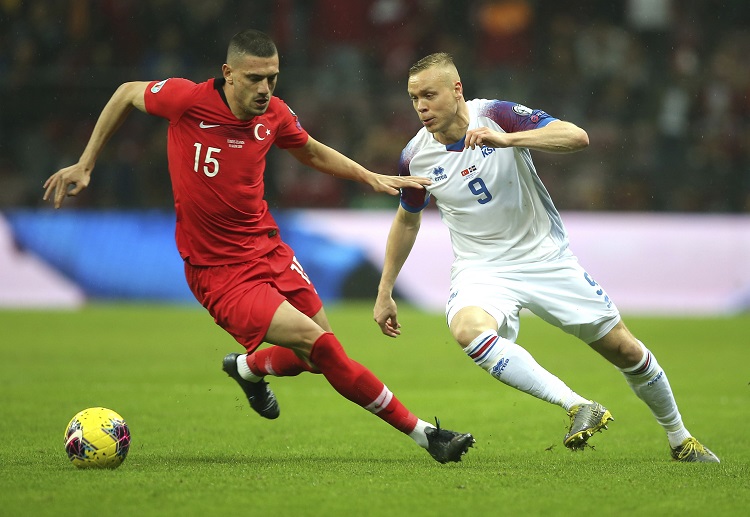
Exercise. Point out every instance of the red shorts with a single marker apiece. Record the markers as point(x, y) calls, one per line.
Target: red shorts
point(242, 298)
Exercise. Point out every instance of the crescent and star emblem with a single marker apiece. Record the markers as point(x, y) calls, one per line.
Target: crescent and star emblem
point(257, 132)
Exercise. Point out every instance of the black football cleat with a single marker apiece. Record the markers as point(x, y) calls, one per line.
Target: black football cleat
point(445, 445)
point(259, 394)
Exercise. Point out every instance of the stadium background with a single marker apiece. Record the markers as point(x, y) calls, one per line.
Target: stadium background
point(661, 86)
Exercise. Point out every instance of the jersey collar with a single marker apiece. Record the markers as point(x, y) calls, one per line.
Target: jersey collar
point(456, 146)
point(219, 86)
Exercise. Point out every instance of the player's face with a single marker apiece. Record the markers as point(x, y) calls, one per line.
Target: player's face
point(251, 82)
point(435, 99)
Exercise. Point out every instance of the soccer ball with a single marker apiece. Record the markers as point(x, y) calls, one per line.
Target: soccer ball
point(97, 437)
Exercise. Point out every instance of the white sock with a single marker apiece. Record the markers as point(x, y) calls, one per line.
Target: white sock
point(418, 433)
point(514, 366)
point(649, 382)
point(244, 370)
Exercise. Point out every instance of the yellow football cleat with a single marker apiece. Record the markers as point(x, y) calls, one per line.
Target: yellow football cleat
point(691, 450)
point(585, 420)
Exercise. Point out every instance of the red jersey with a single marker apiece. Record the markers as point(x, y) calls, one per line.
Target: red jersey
point(216, 164)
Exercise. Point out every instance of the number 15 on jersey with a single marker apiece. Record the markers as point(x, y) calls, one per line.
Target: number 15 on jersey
point(210, 164)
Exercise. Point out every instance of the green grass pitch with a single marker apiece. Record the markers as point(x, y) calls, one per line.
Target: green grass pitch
point(198, 449)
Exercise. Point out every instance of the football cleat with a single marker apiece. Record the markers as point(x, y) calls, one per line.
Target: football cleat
point(445, 445)
point(585, 420)
point(259, 394)
point(691, 450)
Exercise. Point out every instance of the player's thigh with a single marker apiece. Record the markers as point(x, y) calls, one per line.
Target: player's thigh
point(566, 296)
point(244, 299)
point(241, 305)
point(292, 329)
point(322, 320)
point(291, 280)
point(474, 307)
point(259, 312)
point(300, 320)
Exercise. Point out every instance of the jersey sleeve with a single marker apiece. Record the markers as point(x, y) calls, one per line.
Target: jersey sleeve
point(514, 117)
point(412, 199)
point(169, 98)
point(290, 133)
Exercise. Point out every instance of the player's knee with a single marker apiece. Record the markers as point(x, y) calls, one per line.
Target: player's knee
point(620, 347)
point(470, 323)
point(631, 351)
point(326, 349)
point(464, 335)
point(302, 342)
point(304, 356)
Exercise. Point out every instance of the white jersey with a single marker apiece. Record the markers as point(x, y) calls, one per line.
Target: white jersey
point(497, 210)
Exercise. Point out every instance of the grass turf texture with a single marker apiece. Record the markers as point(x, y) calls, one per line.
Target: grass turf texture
point(198, 449)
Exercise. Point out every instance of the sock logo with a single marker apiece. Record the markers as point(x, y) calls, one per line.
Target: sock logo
point(656, 379)
point(381, 402)
point(497, 370)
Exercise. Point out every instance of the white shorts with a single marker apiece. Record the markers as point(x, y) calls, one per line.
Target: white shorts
point(558, 291)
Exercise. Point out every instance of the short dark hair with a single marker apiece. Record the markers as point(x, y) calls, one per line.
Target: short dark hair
point(251, 42)
point(433, 60)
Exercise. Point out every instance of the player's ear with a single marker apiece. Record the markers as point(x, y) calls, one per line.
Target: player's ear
point(458, 90)
point(226, 71)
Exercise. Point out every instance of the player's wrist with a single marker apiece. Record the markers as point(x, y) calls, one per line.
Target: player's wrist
point(86, 163)
point(385, 292)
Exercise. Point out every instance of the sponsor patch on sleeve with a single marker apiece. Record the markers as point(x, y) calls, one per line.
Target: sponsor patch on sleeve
point(155, 88)
point(522, 110)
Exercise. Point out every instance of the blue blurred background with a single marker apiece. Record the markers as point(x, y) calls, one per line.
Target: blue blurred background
point(662, 87)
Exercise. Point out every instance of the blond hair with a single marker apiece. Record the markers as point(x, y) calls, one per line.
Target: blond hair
point(440, 59)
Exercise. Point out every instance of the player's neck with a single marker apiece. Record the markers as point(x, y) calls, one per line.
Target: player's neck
point(457, 129)
point(233, 105)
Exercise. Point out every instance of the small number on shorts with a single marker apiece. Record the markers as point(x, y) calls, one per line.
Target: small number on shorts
point(599, 291)
point(592, 282)
point(296, 266)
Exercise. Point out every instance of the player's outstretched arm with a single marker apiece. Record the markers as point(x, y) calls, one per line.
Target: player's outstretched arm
point(325, 159)
point(556, 137)
point(73, 179)
point(400, 242)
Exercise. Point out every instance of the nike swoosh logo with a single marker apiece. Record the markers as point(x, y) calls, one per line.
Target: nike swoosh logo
point(203, 125)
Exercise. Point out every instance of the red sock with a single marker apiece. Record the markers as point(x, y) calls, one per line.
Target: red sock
point(277, 361)
point(358, 384)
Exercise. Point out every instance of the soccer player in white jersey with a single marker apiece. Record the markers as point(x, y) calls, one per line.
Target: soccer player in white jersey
point(511, 251)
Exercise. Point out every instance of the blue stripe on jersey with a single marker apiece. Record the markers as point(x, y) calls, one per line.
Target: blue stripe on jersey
point(458, 146)
point(414, 209)
point(546, 121)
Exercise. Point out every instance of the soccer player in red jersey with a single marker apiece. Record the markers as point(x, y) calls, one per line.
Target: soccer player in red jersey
point(236, 264)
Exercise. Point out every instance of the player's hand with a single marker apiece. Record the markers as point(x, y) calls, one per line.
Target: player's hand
point(392, 184)
point(484, 136)
point(68, 181)
point(385, 315)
